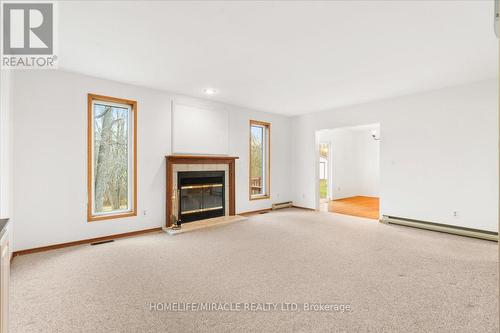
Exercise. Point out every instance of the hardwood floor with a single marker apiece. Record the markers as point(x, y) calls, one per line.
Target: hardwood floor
point(356, 206)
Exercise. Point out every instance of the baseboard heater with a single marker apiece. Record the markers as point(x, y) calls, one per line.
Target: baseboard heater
point(281, 205)
point(468, 232)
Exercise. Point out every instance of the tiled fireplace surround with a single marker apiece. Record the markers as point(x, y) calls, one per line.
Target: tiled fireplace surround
point(179, 163)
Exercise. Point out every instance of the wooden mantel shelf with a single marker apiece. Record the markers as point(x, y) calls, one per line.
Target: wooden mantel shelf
point(199, 159)
point(182, 159)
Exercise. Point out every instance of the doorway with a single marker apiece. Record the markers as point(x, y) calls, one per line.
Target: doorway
point(324, 165)
point(348, 170)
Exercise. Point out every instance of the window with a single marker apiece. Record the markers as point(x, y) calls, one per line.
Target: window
point(260, 134)
point(323, 172)
point(112, 164)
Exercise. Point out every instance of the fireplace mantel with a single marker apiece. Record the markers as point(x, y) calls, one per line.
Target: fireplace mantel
point(198, 159)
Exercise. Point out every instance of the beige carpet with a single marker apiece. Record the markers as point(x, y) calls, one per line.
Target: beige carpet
point(396, 279)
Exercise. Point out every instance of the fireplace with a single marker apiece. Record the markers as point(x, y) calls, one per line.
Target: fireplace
point(202, 195)
point(202, 177)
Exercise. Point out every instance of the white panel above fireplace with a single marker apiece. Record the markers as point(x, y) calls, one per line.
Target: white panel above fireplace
point(198, 130)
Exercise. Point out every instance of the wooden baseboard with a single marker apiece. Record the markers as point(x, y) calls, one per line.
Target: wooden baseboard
point(255, 212)
point(305, 208)
point(84, 241)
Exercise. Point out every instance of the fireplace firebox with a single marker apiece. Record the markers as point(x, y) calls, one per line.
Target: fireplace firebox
point(202, 195)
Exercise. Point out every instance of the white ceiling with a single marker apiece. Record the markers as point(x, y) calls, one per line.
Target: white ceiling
point(284, 57)
point(359, 128)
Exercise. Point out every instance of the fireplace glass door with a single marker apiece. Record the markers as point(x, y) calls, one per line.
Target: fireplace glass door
point(201, 198)
point(201, 195)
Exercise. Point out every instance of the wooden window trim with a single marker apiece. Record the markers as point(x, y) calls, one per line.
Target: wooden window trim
point(266, 195)
point(90, 121)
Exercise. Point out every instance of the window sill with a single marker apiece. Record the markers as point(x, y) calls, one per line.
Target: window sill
point(260, 197)
point(109, 217)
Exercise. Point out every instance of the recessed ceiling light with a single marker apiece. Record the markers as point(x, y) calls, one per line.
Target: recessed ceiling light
point(210, 91)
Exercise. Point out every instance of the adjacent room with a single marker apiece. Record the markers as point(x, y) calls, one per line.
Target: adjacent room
point(249, 166)
point(349, 175)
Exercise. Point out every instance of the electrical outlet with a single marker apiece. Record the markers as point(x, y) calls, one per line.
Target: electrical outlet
point(455, 214)
point(144, 212)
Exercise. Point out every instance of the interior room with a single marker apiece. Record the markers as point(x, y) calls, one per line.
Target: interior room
point(236, 166)
point(349, 170)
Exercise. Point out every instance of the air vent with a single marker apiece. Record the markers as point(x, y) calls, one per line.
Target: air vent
point(102, 242)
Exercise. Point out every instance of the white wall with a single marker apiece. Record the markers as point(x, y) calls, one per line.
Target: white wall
point(5, 143)
point(50, 162)
point(354, 161)
point(368, 157)
point(6, 169)
point(197, 130)
point(438, 154)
